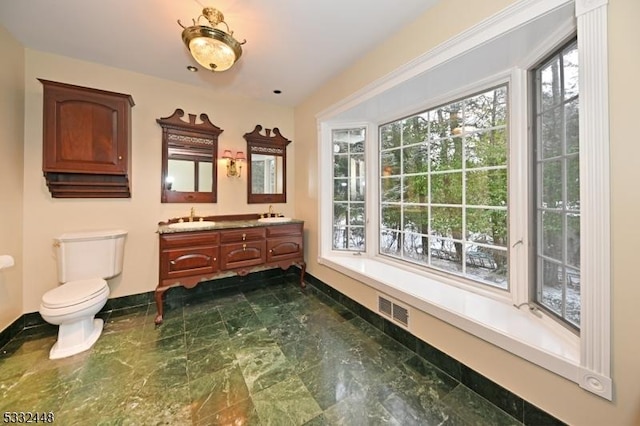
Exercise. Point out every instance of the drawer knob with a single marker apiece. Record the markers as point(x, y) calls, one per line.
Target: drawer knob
point(244, 237)
point(244, 247)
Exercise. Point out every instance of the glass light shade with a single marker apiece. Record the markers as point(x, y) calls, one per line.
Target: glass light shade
point(227, 154)
point(240, 156)
point(212, 48)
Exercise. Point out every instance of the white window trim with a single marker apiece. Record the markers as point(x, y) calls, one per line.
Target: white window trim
point(584, 359)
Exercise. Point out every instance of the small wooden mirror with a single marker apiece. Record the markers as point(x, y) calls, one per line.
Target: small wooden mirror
point(267, 166)
point(189, 154)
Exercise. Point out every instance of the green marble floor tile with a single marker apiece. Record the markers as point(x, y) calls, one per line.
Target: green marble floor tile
point(241, 326)
point(286, 403)
point(158, 406)
point(125, 339)
point(274, 315)
point(161, 369)
point(199, 306)
point(320, 320)
point(263, 366)
point(288, 331)
point(476, 410)
point(438, 383)
point(320, 420)
point(306, 352)
point(288, 294)
point(210, 359)
point(235, 310)
point(12, 367)
point(263, 301)
point(199, 319)
point(242, 413)
point(209, 335)
point(37, 391)
point(105, 367)
point(389, 346)
point(416, 402)
point(356, 411)
point(101, 402)
point(330, 382)
point(169, 344)
point(215, 392)
point(19, 347)
point(123, 319)
point(170, 327)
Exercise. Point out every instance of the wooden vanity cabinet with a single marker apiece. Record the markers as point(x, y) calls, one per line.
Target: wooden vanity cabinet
point(188, 258)
point(86, 141)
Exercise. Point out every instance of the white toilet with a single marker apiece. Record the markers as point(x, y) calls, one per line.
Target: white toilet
point(85, 261)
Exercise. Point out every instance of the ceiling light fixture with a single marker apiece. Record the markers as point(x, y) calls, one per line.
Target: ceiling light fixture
point(211, 47)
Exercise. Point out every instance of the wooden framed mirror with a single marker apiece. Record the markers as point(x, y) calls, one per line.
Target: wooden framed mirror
point(267, 166)
point(189, 159)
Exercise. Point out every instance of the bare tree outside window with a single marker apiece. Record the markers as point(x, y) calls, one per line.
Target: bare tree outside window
point(443, 188)
point(348, 189)
point(557, 206)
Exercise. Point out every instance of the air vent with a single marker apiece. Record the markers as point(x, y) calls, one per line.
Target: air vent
point(393, 310)
point(385, 306)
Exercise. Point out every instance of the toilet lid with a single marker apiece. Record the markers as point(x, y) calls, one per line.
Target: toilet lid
point(73, 292)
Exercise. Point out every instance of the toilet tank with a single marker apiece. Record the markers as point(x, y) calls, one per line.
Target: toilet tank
point(91, 254)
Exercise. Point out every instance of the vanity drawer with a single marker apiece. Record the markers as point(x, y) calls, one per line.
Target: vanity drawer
point(185, 262)
point(183, 239)
point(281, 230)
point(240, 235)
point(242, 255)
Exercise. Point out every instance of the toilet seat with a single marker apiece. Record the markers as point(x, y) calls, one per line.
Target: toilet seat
point(75, 293)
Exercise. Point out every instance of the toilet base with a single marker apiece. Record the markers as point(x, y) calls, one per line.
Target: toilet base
point(76, 337)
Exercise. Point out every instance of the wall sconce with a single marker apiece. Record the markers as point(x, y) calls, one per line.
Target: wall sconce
point(234, 164)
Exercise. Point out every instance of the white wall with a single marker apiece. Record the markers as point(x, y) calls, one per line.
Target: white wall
point(46, 217)
point(560, 397)
point(11, 136)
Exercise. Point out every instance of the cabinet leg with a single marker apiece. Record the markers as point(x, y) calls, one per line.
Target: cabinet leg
point(159, 305)
point(303, 268)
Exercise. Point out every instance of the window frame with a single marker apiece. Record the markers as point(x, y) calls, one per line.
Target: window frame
point(537, 187)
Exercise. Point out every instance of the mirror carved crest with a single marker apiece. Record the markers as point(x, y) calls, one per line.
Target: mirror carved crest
point(189, 159)
point(267, 166)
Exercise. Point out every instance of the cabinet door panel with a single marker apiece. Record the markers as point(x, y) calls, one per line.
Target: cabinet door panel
point(243, 255)
point(191, 261)
point(284, 248)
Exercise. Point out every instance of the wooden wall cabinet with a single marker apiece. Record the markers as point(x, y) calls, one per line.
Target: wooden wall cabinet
point(86, 142)
point(188, 258)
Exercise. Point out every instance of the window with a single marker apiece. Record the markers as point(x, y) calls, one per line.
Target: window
point(443, 188)
point(348, 189)
point(557, 194)
point(404, 231)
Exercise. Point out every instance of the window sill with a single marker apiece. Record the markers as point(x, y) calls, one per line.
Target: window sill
point(539, 340)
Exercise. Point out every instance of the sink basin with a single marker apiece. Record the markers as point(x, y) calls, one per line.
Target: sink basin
point(274, 219)
point(191, 225)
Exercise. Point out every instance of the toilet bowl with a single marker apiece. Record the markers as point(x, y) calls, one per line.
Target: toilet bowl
point(85, 261)
point(73, 307)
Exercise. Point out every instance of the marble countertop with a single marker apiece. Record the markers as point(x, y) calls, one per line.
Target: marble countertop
point(224, 224)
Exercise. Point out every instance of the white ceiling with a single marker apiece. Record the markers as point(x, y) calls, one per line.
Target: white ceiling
point(292, 45)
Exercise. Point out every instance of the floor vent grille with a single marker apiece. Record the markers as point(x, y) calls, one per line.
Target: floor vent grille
point(393, 310)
